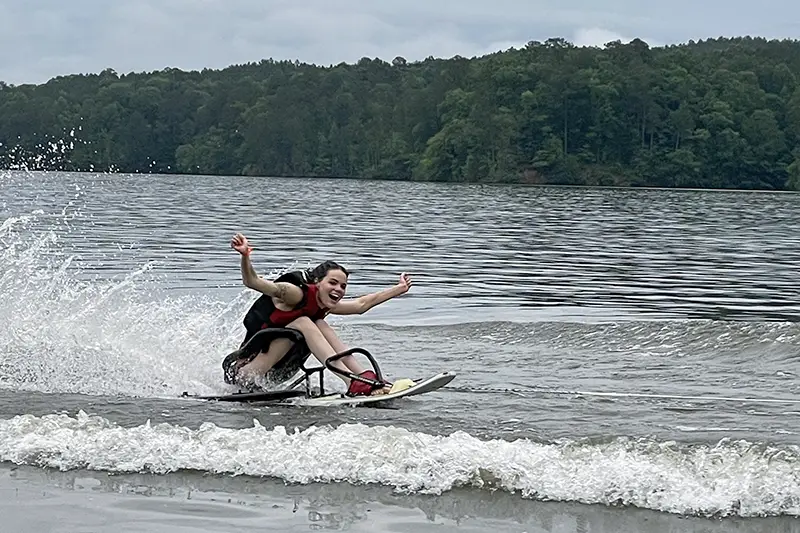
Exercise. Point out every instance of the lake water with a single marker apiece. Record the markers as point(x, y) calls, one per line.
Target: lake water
point(627, 360)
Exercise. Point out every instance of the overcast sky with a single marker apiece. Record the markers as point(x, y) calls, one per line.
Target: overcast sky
point(40, 39)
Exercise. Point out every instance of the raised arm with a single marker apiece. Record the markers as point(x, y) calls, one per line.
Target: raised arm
point(364, 303)
point(286, 292)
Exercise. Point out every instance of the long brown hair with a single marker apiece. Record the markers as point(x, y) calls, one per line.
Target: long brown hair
point(314, 275)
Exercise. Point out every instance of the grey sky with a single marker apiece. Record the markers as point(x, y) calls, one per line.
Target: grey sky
point(40, 39)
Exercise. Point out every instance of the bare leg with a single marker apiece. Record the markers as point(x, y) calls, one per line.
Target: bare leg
point(255, 370)
point(338, 346)
point(350, 361)
point(317, 342)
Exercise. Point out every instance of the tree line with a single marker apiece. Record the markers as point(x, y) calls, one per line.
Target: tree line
point(721, 113)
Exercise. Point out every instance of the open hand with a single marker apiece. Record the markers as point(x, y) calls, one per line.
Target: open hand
point(240, 244)
point(405, 282)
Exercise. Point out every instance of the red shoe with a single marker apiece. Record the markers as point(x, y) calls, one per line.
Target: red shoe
point(359, 388)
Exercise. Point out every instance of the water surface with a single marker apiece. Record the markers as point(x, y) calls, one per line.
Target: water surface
point(613, 346)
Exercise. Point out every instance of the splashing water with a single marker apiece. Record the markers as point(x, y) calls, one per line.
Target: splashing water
point(61, 333)
point(50, 154)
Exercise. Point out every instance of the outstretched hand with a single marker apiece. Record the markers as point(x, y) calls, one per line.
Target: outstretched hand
point(240, 244)
point(405, 282)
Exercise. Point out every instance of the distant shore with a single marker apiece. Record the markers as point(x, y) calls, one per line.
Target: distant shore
point(713, 114)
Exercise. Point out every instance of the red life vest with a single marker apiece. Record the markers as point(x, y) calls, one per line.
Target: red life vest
point(309, 307)
point(264, 314)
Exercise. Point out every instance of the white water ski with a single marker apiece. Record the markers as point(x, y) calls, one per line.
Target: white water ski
point(427, 385)
point(297, 397)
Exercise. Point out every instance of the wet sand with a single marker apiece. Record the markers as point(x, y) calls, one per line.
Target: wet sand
point(46, 501)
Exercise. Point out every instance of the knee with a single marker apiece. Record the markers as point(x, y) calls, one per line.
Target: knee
point(304, 324)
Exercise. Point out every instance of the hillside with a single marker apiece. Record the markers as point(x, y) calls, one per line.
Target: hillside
point(715, 113)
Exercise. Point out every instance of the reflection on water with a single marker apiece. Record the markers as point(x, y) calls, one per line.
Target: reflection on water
point(210, 503)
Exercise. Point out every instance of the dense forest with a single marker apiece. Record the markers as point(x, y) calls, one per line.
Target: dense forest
point(721, 113)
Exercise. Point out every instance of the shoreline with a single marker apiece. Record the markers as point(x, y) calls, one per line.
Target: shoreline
point(40, 500)
point(498, 184)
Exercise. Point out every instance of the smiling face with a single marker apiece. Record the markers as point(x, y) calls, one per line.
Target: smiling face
point(332, 288)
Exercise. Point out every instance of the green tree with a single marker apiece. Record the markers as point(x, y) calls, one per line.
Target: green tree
point(712, 113)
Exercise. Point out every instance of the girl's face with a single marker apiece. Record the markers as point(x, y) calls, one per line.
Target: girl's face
point(332, 288)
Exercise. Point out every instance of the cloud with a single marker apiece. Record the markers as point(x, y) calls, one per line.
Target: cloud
point(597, 37)
point(600, 37)
point(40, 39)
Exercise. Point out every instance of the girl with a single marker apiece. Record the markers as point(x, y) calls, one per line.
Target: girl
point(301, 301)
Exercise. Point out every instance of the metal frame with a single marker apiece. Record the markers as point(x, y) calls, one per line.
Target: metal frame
point(308, 372)
point(256, 344)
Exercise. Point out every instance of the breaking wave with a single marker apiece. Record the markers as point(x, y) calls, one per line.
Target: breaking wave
point(731, 478)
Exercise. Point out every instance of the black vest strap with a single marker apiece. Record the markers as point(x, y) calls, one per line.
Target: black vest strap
point(262, 309)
